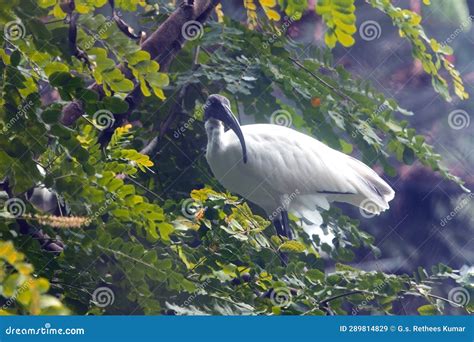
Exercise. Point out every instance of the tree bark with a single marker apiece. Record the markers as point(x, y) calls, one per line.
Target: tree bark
point(163, 45)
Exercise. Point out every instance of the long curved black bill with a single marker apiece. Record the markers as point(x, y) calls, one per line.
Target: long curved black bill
point(230, 120)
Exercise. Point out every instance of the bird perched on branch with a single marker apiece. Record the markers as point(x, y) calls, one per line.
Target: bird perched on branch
point(282, 170)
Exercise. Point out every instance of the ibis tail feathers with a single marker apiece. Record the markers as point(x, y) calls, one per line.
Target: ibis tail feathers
point(372, 193)
point(365, 190)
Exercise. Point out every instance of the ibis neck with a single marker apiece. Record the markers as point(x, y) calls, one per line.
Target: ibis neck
point(215, 132)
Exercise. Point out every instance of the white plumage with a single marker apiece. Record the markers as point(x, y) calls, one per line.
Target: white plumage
point(291, 171)
point(288, 169)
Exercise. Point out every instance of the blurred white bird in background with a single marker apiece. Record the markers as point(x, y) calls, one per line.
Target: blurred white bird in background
point(284, 171)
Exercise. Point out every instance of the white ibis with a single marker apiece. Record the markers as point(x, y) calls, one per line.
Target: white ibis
point(282, 170)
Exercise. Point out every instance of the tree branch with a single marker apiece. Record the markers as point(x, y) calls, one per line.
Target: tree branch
point(324, 304)
point(174, 112)
point(80, 54)
point(163, 45)
point(122, 25)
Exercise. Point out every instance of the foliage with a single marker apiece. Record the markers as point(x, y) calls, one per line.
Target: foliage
point(161, 233)
point(22, 291)
point(430, 52)
point(340, 18)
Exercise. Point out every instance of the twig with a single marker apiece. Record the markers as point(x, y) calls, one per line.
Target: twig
point(53, 21)
point(144, 187)
point(446, 300)
point(334, 89)
point(122, 25)
point(72, 36)
point(324, 304)
point(126, 256)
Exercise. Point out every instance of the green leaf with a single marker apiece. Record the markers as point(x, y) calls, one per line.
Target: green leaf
point(315, 275)
point(428, 310)
point(292, 246)
point(15, 58)
point(53, 67)
point(408, 156)
point(345, 254)
point(123, 86)
point(59, 78)
point(115, 105)
point(165, 230)
point(158, 79)
point(345, 146)
point(137, 57)
point(88, 96)
point(50, 116)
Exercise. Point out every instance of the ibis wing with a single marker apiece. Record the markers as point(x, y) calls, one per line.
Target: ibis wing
point(295, 163)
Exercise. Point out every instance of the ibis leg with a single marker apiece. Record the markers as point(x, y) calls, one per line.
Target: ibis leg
point(278, 227)
point(282, 225)
point(280, 231)
point(285, 222)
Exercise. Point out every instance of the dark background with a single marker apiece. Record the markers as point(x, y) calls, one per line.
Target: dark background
point(412, 232)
